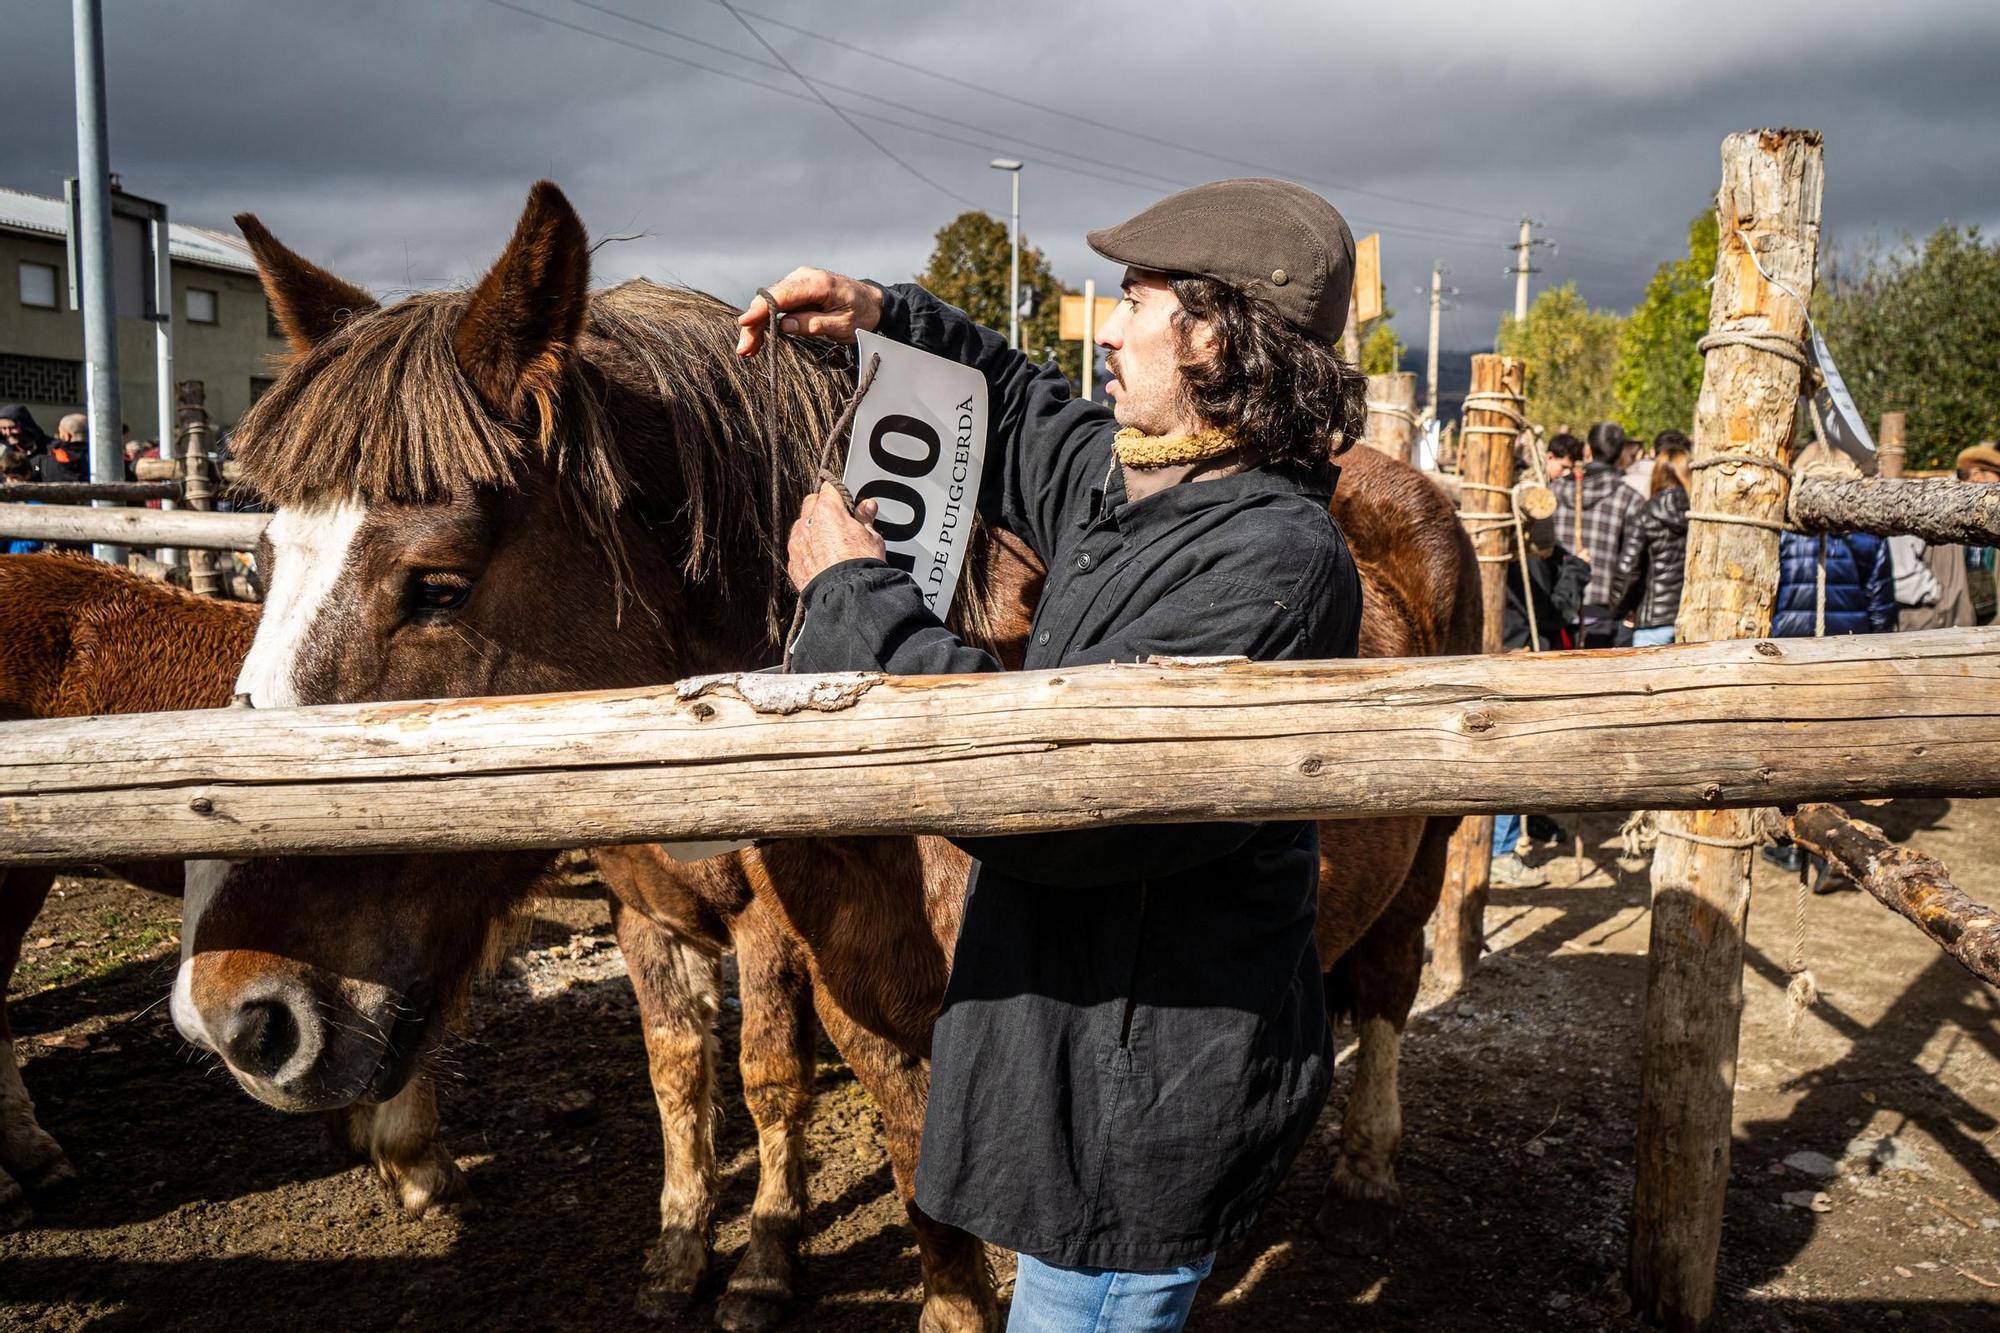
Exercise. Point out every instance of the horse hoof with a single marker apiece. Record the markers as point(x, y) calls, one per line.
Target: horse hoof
point(750, 1311)
point(1358, 1228)
point(14, 1210)
point(671, 1282)
point(434, 1184)
point(945, 1315)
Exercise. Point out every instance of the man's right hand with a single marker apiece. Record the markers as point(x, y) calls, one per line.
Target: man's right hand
point(815, 303)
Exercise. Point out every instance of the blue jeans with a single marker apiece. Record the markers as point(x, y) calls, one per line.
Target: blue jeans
point(1048, 1299)
point(1653, 637)
point(1506, 833)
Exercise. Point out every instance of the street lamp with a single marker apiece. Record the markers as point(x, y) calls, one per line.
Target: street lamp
point(1013, 168)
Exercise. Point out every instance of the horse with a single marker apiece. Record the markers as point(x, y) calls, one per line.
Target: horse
point(530, 486)
point(77, 638)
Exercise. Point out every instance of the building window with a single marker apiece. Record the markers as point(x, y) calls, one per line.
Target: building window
point(259, 386)
point(40, 379)
point(39, 283)
point(200, 305)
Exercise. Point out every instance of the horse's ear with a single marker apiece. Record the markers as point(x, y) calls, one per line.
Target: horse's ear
point(526, 314)
point(308, 301)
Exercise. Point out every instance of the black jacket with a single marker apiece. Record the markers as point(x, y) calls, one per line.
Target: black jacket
point(1652, 561)
point(1557, 581)
point(1133, 1043)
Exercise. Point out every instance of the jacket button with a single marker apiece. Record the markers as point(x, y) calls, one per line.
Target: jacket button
point(1083, 561)
point(1043, 637)
point(1279, 277)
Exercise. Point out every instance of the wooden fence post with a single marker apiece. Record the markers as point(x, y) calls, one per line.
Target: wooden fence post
point(1392, 414)
point(198, 477)
point(1486, 480)
point(1889, 446)
point(1769, 215)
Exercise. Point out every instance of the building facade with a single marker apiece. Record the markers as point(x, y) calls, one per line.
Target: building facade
point(223, 333)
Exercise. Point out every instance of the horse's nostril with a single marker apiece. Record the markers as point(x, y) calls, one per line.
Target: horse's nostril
point(260, 1038)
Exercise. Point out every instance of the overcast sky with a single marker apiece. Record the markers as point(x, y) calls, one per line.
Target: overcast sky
point(394, 141)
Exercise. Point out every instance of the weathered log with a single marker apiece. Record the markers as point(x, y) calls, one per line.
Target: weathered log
point(1486, 505)
point(71, 492)
point(133, 527)
point(1768, 212)
point(1697, 726)
point(1941, 510)
point(1904, 879)
point(1392, 414)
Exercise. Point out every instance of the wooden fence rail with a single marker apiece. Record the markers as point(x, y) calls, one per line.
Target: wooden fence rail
point(1698, 726)
point(133, 527)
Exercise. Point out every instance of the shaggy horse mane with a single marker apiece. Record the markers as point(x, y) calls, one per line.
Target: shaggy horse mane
point(656, 415)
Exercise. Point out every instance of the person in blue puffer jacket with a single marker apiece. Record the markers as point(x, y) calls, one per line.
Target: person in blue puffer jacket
point(1860, 585)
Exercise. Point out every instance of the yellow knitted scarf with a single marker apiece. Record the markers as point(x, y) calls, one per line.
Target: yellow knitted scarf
point(1139, 450)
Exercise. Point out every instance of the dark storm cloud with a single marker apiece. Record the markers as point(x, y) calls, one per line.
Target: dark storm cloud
point(395, 141)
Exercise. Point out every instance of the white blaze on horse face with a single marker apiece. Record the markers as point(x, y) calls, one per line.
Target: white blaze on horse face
point(202, 879)
point(309, 546)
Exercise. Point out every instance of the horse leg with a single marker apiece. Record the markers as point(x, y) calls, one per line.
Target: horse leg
point(29, 1158)
point(958, 1288)
point(677, 984)
point(777, 1063)
point(1363, 1202)
point(401, 1137)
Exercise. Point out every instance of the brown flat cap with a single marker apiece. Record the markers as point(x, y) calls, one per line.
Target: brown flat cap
point(1277, 241)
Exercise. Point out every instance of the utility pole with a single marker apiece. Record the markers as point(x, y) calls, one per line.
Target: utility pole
point(1522, 268)
point(1431, 370)
point(93, 248)
point(1013, 168)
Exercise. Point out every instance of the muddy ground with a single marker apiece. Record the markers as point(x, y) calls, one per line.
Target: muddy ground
point(202, 1209)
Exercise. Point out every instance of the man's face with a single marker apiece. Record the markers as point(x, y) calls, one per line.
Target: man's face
point(10, 431)
point(1558, 468)
point(1980, 472)
point(1144, 358)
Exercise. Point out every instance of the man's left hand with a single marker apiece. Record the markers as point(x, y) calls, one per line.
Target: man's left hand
point(826, 534)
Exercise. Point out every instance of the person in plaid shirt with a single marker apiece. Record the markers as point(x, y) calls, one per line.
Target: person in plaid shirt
point(1593, 510)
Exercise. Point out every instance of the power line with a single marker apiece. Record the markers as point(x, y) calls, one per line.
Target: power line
point(794, 94)
point(1124, 168)
point(846, 119)
point(1083, 119)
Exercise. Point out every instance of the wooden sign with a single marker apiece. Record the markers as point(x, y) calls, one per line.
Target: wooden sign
point(1368, 277)
point(1071, 329)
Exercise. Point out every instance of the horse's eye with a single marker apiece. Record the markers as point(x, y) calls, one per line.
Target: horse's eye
point(434, 593)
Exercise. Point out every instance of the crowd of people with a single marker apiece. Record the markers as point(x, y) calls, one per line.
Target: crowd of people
point(1607, 571)
point(29, 455)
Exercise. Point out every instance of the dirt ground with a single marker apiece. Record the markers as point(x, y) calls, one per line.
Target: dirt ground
point(200, 1208)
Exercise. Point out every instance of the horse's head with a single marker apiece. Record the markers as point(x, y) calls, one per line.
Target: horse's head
point(515, 489)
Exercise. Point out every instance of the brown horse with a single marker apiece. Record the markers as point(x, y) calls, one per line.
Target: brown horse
point(530, 487)
point(78, 638)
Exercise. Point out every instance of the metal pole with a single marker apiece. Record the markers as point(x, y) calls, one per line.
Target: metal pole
point(163, 359)
point(1014, 281)
point(100, 312)
point(1089, 335)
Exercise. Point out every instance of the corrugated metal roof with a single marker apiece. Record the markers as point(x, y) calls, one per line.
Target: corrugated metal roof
point(21, 211)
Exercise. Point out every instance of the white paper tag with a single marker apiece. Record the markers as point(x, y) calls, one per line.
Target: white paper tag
point(918, 448)
point(1839, 419)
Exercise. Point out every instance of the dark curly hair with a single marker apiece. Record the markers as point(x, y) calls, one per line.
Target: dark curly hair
point(1287, 398)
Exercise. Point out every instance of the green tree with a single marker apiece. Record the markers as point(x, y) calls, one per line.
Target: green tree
point(1381, 349)
point(1658, 374)
point(1916, 331)
point(1571, 351)
point(969, 267)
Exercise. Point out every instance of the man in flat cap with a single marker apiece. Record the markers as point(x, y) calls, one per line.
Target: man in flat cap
point(1133, 1044)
